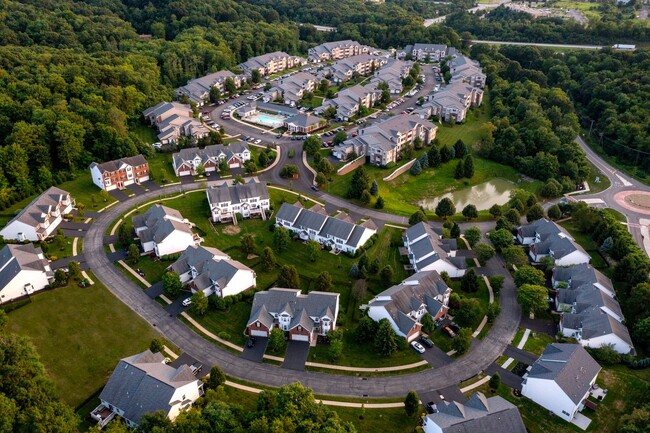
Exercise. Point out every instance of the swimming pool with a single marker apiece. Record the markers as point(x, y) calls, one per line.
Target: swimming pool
point(271, 120)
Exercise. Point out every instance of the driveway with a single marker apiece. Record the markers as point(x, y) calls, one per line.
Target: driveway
point(135, 189)
point(112, 239)
point(296, 355)
point(451, 393)
point(63, 263)
point(176, 307)
point(507, 377)
point(256, 353)
point(543, 326)
point(151, 185)
point(154, 291)
point(436, 357)
point(520, 355)
point(185, 180)
point(73, 226)
point(119, 195)
point(117, 255)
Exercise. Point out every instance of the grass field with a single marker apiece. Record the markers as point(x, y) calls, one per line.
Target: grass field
point(585, 240)
point(81, 334)
point(160, 168)
point(537, 342)
point(591, 10)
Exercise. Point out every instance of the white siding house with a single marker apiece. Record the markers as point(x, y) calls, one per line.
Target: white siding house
point(427, 252)
point(164, 231)
point(248, 199)
point(23, 271)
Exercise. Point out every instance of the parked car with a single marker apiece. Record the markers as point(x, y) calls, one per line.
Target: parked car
point(314, 187)
point(454, 326)
point(250, 342)
point(427, 342)
point(140, 272)
point(157, 145)
point(431, 407)
point(449, 331)
point(417, 347)
point(258, 141)
point(187, 302)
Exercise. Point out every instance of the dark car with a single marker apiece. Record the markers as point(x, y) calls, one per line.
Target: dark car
point(426, 342)
point(431, 407)
point(454, 326)
point(314, 187)
point(250, 342)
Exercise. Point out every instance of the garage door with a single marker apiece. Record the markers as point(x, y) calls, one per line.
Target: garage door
point(299, 337)
point(184, 173)
point(234, 165)
point(257, 333)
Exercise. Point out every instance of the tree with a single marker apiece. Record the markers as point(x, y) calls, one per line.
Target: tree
point(424, 161)
point(534, 213)
point(416, 168)
point(336, 348)
point(379, 204)
point(495, 381)
point(366, 329)
point(230, 86)
point(607, 244)
point(385, 338)
point(473, 235)
point(495, 211)
point(469, 312)
point(199, 304)
point(69, 137)
point(513, 216)
point(434, 156)
point(216, 378)
point(247, 242)
point(74, 271)
point(468, 167)
point(642, 332)
point(455, 231)
point(171, 284)
point(501, 239)
point(532, 298)
point(460, 149)
point(411, 403)
point(445, 154)
point(365, 197)
point(554, 212)
point(463, 341)
point(484, 252)
point(324, 282)
point(314, 249)
point(255, 76)
point(470, 282)
point(268, 259)
point(493, 311)
point(276, 339)
point(60, 278)
point(503, 223)
point(215, 94)
point(311, 146)
point(459, 172)
point(428, 325)
point(360, 183)
point(551, 189)
point(250, 167)
point(157, 345)
point(445, 208)
point(386, 276)
point(514, 256)
point(289, 171)
point(496, 281)
point(354, 271)
point(339, 137)
point(374, 188)
point(639, 301)
point(635, 422)
point(417, 217)
point(529, 275)
point(470, 212)
point(281, 238)
point(133, 256)
point(288, 277)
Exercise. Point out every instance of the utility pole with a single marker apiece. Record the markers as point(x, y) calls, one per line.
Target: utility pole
point(591, 126)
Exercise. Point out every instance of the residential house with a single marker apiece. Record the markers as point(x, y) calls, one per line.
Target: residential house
point(336, 50)
point(561, 379)
point(589, 310)
point(452, 103)
point(142, 384)
point(424, 52)
point(382, 142)
point(334, 233)
point(197, 90)
point(537, 231)
point(304, 317)
point(463, 69)
point(346, 69)
point(40, 218)
point(479, 414)
point(248, 199)
point(188, 161)
point(23, 271)
point(427, 251)
point(349, 101)
point(271, 63)
point(392, 74)
point(173, 120)
point(163, 231)
point(404, 304)
point(292, 88)
point(547, 239)
point(120, 173)
point(211, 271)
point(304, 123)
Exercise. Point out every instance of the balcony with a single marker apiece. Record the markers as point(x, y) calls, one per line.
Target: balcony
point(102, 415)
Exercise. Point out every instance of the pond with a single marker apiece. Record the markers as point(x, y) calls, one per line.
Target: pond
point(483, 196)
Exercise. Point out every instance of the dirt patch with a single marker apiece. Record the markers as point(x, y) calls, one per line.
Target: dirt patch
point(640, 200)
point(231, 230)
point(252, 256)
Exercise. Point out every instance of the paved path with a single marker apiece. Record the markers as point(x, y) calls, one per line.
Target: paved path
point(538, 44)
point(479, 357)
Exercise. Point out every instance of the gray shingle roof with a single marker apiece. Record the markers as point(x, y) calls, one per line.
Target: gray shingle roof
point(160, 221)
point(111, 166)
point(196, 256)
point(542, 226)
point(276, 300)
point(569, 365)
point(582, 274)
point(17, 257)
point(288, 212)
point(36, 212)
point(236, 194)
point(560, 245)
point(478, 415)
point(142, 384)
point(308, 220)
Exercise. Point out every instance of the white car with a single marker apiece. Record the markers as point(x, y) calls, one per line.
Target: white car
point(188, 301)
point(157, 145)
point(258, 141)
point(417, 346)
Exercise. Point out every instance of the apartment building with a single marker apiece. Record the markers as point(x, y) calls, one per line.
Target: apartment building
point(173, 119)
point(271, 63)
point(120, 173)
point(336, 50)
point(197, 90)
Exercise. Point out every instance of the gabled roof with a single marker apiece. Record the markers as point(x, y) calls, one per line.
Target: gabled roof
point(304, 120)
point(560, 245)
point(236, 194)
point(143, 383)
point(277, 300)
point(15, 258)
point(117, 164)
point(541, 227)
point(195, 257)
point(37, 211)
point(160, 221)
point(582, 274)
point(309, 220)
point(288, 212)
point(568, 365)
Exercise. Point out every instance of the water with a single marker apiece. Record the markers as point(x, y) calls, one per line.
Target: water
point(483, 196)
point(269, 120)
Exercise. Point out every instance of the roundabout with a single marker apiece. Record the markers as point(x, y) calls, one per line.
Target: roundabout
point(636, 201)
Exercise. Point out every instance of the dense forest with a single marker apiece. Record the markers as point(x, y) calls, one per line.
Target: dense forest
point(504, 24)
point(612, 88)
point(533, 123)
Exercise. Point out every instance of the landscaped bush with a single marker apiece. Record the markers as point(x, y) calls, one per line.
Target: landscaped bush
point(224, 335)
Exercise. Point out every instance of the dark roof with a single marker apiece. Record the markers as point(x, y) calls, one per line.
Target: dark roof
point(143, 383)
point(288, 212)
point(37, 210)
point(309, 220)
point(277, 300)
point(569, 365)
point(239, 193)
point(542, 227)
point(478, 415)
point(581, 274)
point(15, 258)
point(111, 166)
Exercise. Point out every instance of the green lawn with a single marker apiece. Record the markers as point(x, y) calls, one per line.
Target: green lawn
point(616, 214)
point(591, 10)
point(54, 253)
point(160, 168)
point(153, 270)
point(81, 334)
point(636, 172)
point(470, 131)
point(233, 322)
point(537, 342)
point(603, 181)
point(585, 240)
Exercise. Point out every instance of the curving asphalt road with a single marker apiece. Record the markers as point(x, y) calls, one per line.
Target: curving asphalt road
point(482, 353)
